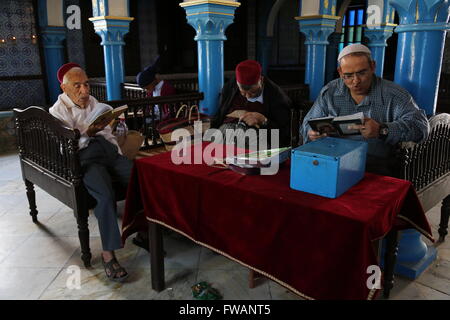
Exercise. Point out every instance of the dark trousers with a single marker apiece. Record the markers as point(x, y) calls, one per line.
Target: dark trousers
point(101, 164)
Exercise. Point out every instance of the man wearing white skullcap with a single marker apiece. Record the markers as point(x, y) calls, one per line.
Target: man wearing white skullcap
point(390, 113)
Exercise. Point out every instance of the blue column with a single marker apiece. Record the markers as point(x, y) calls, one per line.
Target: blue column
point(421, 40)
point(210, 20)
point(379, 28)
point(52, 39)
point(264, 40)
point(316, 29)
point(378, 37)
point(419, 58)
point(112, 31)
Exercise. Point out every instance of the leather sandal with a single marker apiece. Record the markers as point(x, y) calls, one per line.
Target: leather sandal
point(113, 269)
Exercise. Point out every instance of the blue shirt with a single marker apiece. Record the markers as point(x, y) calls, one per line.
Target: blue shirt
point(386, 103)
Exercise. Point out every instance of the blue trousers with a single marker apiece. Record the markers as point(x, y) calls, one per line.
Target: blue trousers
point(101, 164)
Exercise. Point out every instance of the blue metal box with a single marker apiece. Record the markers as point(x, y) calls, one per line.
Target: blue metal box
point(328, 167)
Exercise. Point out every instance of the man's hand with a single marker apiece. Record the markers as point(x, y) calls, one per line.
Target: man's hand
point(253, 119)
point(370, 129)
point(314, 135)
point(92, 130)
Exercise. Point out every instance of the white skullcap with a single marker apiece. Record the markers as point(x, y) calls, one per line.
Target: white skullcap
point(353, 48)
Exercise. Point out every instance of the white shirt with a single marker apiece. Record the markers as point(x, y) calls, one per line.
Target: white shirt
point(157, 89)
point(75, 117)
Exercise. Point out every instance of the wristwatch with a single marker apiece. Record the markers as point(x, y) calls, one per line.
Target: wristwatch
point(264, 124)
point(384, 131)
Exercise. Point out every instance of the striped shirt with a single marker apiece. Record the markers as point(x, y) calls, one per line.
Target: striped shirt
point(386, 103)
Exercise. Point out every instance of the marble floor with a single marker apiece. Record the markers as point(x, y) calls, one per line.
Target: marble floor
point(41, 261)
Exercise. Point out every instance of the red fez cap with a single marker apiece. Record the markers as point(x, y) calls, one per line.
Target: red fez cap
point(248, 72)
point(64, 68)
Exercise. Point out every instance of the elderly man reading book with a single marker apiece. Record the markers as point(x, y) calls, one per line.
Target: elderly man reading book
point(390, 113)
point(100, 157)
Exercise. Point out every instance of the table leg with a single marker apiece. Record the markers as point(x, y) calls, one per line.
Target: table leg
point(390, 257)
point(156, 256)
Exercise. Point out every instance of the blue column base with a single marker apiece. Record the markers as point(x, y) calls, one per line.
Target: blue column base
point(413, 270)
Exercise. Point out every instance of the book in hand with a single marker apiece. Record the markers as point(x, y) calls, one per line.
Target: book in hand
point(104, 114)
point(337, 126)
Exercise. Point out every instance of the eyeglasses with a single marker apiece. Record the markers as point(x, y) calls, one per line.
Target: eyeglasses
point(359, 74)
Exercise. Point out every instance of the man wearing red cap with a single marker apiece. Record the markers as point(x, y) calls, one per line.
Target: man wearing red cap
point(100, 157)
point(254, 100)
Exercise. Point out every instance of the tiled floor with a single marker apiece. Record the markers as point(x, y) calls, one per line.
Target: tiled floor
point(39, 261)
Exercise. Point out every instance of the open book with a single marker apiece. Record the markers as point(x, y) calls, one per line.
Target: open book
point(337, 126)
point(251, 163)
point(104, 113)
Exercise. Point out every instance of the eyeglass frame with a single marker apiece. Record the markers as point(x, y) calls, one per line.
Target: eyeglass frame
point(359, 74)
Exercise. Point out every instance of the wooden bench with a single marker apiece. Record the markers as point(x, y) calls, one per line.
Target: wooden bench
point(48, 152)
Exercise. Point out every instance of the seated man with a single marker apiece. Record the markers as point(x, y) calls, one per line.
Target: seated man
point(149, 79)
point(391, 115)
point(253, 100)
point(100, 158)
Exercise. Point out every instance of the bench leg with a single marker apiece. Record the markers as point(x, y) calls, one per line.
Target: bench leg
point(390, 257)
point(445, 214)
point(156, 256)
point(83, 235)
point(31, 195)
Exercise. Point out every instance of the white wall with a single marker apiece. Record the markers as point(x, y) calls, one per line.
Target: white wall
point(310, 7)
point(118, 8)
point(55, 13)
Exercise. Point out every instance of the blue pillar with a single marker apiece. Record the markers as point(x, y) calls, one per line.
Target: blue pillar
point(264, 40)
point(112, 29)
point(418, 65)
point(52, 39)
point(316, 29)
point(379, 28)
point(210, 20)
point(420, 48)
point(53, 33)
point(378, 37)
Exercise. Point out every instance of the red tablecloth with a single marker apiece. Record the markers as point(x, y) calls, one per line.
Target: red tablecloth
point(319, 248)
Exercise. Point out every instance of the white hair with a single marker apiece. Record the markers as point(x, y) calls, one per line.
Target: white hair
point(66, 78)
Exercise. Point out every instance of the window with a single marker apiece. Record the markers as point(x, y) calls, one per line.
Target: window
point(352, 30)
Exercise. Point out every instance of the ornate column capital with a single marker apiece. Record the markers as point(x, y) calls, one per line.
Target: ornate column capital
point(111, 29)
point(378, 35)
point(421, 11)
point(317, 28)
point(210, 18)
point(53, 37)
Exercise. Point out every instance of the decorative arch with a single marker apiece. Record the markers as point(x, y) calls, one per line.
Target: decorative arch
point(341, 14)
point(273, 16)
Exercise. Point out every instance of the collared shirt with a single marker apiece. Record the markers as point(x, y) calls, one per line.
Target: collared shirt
point(75, 117)
point(157, 89)
point(386, 103)
point(259, 98)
